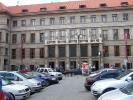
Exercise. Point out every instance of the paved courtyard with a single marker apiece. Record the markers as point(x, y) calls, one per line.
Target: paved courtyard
point(70, 88)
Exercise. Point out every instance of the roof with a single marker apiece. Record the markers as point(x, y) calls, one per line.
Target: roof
point(68, 5)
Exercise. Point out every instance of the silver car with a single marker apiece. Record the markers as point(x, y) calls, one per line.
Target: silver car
point(125, 93)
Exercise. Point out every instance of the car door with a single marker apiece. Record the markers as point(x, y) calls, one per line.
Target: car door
point(107, 75)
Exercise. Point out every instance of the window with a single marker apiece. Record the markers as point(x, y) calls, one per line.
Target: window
point(72, 51)
point(8, 22)
point(128, 47)
point(62, 51)
point(72, 19)
point(52, 35)
point(103, 5)
point(105, 34)
point(82, 19)
point(41, 37)
point(62, 34)
point(23, 36)
point(116, 51)
point(82, 6)
point(6, 51)
point(51, 51)
point(95, 50)
point(115, 34)
point(125, 17)
point(105, 51)
point(32, 39)
point(24, 10)
point(13, 53)
point(83, 50)
point(93, 18)
point(43, 9)
point(83, 34)
point(0, 36)
point(114, 17)
point(41, 52)
point(52, 21)
point(23, 22)
point(32, 52)
point(33, 22)
point(124, 3)
point(62, 7)
point(6, 37)
point(94, 34)
point(72, 34)
point(62, 20)
point(23, 53)
point(42, 21)
point(104, 18)
point(15, 23)
point(126, 34)
point(14, 38)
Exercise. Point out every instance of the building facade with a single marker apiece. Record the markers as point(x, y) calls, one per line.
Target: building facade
point(67, 34)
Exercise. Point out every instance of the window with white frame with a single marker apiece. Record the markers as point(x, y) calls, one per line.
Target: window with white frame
point(72, 34)
point(82, 19)
point(72, 19)
point(105, 34)
point(23, 22)
point(125, 17)
point(93, 18)
point(114, 17)
point(93, 34)
point(52, 21)
point(62, 34)
point(41, 37)
point(42, 21)
point(62, 20)
point(83, 33)
point(52, 35)
point(33, 22)
point(104, 18)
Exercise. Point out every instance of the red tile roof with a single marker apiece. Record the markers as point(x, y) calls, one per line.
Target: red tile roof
point(69, 5)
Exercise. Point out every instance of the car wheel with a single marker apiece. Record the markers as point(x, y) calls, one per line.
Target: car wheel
point(47, 83)
point(9, 96)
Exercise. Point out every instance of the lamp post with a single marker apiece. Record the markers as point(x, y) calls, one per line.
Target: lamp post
point(99, 53)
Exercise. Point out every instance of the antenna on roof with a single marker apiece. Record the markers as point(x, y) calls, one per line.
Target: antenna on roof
point(18, 3)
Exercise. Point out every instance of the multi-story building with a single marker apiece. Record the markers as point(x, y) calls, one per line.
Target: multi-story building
point(66, 34)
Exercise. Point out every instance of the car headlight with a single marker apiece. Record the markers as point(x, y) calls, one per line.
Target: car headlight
point(53, 78)
point(21, 91)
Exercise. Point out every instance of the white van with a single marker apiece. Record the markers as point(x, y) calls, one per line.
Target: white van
point(20, 78)
point(50, 72)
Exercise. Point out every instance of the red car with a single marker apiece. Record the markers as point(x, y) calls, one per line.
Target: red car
point(1, 95)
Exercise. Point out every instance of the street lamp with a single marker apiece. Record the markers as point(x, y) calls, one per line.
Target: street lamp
point(99, 53)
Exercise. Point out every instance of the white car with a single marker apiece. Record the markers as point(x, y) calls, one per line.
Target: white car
point(50, 72)
point(102, 86)
point(20, 78)
point(125, 93)
point(16, 90)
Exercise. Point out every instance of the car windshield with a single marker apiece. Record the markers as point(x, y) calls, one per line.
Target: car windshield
point(127, 90)
point(24, 75)
point(6, 82)
point(34, 74)
point(50, 70)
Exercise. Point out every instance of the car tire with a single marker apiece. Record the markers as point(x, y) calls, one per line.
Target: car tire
point(9, 96)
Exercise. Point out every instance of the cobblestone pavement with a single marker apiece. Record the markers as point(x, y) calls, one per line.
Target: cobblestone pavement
point(70, 88)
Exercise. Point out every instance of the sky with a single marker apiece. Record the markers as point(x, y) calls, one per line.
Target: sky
point(25, 2)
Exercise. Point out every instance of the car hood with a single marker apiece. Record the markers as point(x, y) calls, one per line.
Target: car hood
point(113, 95)
point(13, 87)
point(33, 81)
point(54, 73)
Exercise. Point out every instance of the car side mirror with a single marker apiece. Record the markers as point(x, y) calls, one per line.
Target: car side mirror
point(128, 79)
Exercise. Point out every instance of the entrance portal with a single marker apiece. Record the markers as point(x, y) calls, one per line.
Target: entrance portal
point(72, 64)
point(96, 63)
point(62, 64)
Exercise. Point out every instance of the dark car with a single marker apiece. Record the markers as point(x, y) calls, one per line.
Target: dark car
point(1, 92)
point(49, 79)
point(100, 75)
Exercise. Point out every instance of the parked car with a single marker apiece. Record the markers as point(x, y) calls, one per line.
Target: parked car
point(15, 90)
point(125, 93)
point(19, 78)
point(101, 75)
point(1, 92)
point(49, 79)
point(8, 96)
point(50, 72)
point(42, 81)
point(102, 86)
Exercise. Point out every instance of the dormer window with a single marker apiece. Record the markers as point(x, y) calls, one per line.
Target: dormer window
point(82, 6)
point(43, 9)
point(103, 5)
point(62, 7)
point(124, 3)
point(24, 10)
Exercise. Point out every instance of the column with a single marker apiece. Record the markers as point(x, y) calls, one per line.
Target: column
point(67, 57)
point(46, 55)
point(89, 54)
point(56, 56)
point(101, 55)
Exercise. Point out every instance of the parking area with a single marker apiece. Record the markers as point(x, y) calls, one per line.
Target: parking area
point(70, 88)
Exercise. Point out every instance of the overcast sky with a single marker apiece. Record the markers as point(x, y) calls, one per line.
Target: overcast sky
point(24, 2)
